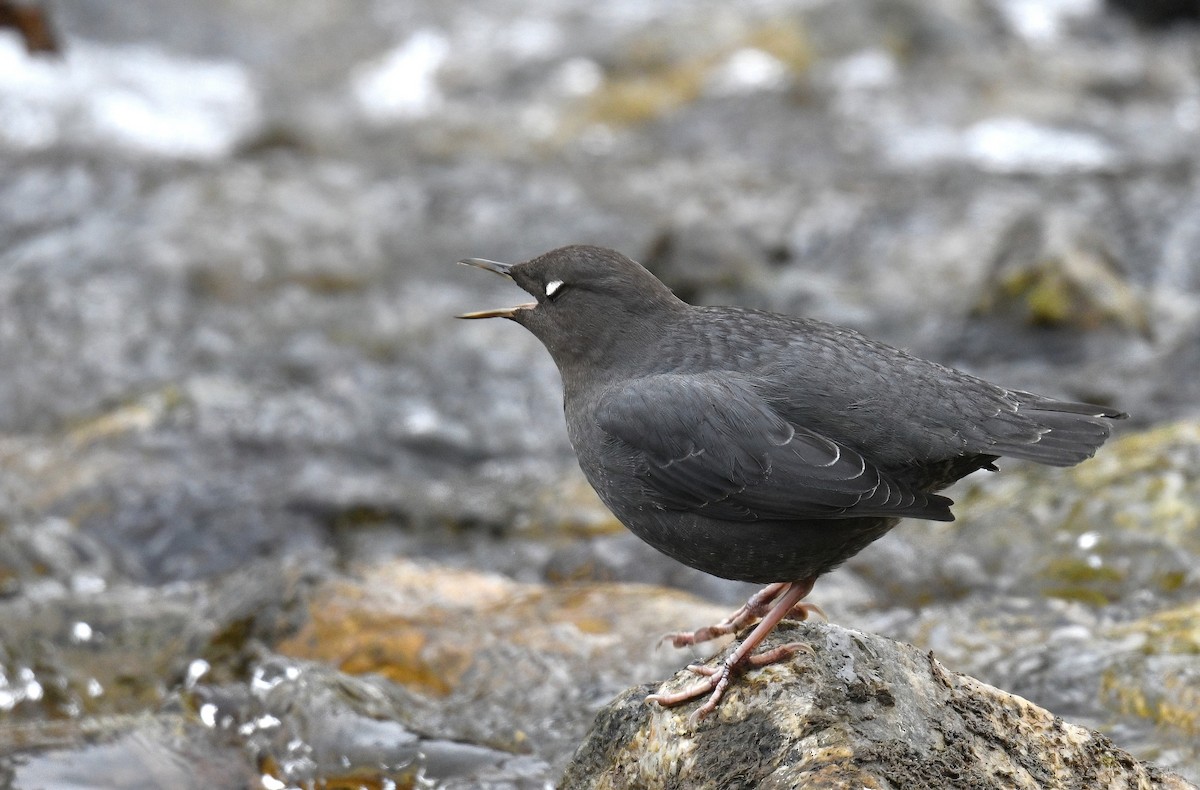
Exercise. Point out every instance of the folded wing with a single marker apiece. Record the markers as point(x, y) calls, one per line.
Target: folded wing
point(710, 444)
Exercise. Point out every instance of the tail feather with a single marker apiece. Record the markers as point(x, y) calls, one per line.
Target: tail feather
point(1064, 434)
point(1067, 407)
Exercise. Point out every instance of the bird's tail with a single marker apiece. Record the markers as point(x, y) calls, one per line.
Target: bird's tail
point(1067, 432)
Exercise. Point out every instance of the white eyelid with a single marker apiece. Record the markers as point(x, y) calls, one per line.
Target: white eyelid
point(553, 286)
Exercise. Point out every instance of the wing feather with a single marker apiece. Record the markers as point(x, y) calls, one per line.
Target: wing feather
point(709, 443)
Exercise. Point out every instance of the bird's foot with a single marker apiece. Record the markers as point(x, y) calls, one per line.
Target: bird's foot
point(759, 604)
point(717, 679)
point(779, 601)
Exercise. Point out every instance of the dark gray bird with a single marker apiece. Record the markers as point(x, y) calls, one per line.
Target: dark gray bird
point(763, 447)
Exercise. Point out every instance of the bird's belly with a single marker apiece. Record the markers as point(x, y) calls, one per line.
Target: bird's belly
point(762, 551)
point(754, 551)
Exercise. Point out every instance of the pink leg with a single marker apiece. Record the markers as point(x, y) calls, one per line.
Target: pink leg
point(717, 680)
point(758, 605)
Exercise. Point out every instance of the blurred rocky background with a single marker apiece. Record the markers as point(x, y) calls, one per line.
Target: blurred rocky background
point(269, 516)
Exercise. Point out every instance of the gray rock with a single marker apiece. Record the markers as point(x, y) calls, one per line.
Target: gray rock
point(858, 711)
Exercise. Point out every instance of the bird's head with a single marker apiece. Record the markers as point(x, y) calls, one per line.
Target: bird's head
point(589, 302)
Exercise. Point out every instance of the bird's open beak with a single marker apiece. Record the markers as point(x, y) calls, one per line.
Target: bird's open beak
point(492, 266)
point(495, 267)
point(499, 312)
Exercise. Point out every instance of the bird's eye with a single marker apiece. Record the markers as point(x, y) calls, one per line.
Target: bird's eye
point(553, 288)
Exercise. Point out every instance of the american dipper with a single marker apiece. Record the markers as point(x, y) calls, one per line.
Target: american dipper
point(763, 447)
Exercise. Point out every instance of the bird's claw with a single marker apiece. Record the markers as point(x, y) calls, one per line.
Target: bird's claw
point(716, 681)
point(803, 610)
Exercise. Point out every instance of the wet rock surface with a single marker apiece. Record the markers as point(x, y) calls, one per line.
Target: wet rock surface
point(399, 672)
point(231, 387)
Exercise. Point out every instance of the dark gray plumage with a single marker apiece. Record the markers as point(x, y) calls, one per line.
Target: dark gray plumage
point(763, 447)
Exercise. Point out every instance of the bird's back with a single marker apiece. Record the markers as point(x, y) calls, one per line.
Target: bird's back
point(927, 422)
